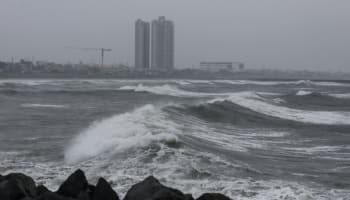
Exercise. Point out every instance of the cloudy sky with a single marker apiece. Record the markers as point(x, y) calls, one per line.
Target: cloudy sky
point(281, 34)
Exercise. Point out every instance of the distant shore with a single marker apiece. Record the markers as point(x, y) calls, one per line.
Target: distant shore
point(262, 75)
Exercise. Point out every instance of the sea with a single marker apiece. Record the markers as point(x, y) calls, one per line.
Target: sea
point(246, 139)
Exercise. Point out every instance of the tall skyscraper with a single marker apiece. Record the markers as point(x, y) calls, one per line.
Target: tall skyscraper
point(142, 44)
point(162, 44)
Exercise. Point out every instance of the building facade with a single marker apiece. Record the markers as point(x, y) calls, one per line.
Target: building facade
point(162, 44)
point(142, 44)
point(221, 66)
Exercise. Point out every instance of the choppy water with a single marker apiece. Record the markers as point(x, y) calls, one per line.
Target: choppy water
point(247, 139)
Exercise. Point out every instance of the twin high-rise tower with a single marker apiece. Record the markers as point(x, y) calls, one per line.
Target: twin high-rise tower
point(142, 44)
point(162, 44)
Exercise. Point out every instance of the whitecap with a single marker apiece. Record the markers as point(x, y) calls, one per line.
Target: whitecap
point(341, 96)
point(137, 128)
point(254, 102)
point(164, 90)
point(303, 93)
point(36, 105)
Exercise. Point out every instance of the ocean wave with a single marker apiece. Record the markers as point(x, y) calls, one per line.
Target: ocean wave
point(37, 105)
point(341, 96)
point(165, 90)
point(273, 83)
point(137, 128)
point(278, 100)
point(189, 173)
point(319, 149)
point(24, 82)
point(314, 100)
point(252, 101)
point(319, 83)
point(303, 93)
point(256, 102)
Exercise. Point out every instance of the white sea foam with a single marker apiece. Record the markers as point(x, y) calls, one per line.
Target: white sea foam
point(201, 81)
point(341, 96)
point(134, 129)
point(320, 83)
point(28, 82)
point(269, 93)
point(254, 102)
point(249, 82)
point(182, 82)
point(164, 90)
point(36, 105)
point(303, 93)
point(272, 83)
point(317, 149)
point(278, 100)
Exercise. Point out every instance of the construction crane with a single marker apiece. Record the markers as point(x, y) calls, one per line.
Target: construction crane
point(103, 50)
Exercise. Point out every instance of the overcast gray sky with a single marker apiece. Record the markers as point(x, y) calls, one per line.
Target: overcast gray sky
point(282, 34)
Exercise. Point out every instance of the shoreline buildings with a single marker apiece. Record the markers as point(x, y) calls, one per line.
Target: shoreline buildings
point(142, 44)
point(221, 66)
point(162, 44)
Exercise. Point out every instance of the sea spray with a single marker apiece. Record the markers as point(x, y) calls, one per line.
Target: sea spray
point(137, 128)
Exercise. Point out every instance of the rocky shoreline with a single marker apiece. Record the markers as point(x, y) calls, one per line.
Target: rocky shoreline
point(17, 186)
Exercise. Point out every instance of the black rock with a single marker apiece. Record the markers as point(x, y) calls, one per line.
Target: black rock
point(213, 196)
point(52, 196)
point(189, 197)
point(41, 189)
point(16, 186)
point(74, 185)
point(27, 198)
point(10, 190)
point(104, 191)
point(91, 190)
point(84, 196)
point(152, 189)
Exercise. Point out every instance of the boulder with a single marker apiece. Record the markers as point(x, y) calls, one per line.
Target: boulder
point(152, 189)
point(10, 190)
point(41, 189)
point(84, 196)
point(104, 191)
point(16, 186)
point(52, 196)
point(91, 190)
point(74, 185)
point(189, 197)
point(27, 198)
point(213, 196)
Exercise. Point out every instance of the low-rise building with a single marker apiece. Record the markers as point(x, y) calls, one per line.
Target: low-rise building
point(221, 66)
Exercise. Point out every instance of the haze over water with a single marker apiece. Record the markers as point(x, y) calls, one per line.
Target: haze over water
point(289, 34)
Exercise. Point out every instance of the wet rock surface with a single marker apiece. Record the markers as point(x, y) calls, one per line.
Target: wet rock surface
point(17, 186)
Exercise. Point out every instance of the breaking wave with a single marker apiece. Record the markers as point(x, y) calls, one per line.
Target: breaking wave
point(37, 105)
point(303, 93)
point(341, 96)
point(311, 100)
point(137, 128)
point(165, 90)
point(252, 101)
point(188, 154)
point(273, 83)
